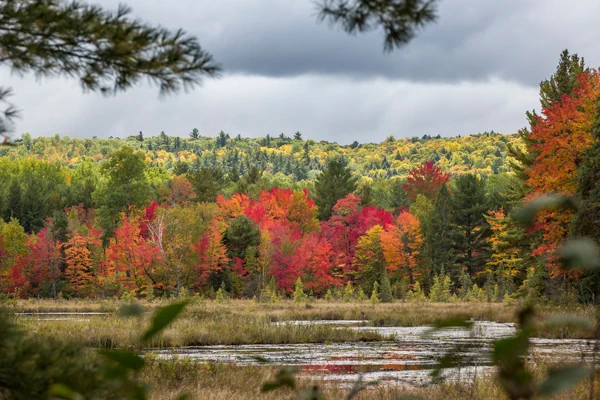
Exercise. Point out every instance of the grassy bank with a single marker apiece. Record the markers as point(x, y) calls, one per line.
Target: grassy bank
point(246, 321)
point(192, 329)
point(227, 382)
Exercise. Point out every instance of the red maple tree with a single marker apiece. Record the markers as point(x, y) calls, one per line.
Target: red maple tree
point(426, 179)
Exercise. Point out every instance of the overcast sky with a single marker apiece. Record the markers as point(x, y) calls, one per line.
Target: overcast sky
point(476, 69)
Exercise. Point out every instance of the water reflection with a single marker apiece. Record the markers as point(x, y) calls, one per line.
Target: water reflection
point(407, 359)
point(72, 316)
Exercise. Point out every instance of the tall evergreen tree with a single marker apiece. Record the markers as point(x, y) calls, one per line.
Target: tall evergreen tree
point(306, 155)
point(234, 175)
point(222, 139)
point(240, 235)
point(564, 80)
point(253, 176)
point(561, 83)
point(442, 233)
point(195, 134)
point(206, 183)
point(396, 194)
point(386, 287)
point(334, 183)
point(471, 228)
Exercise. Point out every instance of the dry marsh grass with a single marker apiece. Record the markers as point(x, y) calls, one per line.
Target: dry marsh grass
point(247, 321)
point(111, 331)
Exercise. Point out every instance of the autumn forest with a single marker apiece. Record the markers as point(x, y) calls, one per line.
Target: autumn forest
point(283, 216)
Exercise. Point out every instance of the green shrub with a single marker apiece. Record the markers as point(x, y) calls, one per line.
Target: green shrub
point(466, 286)
point(440, 290)
point(416, 293)
point(477, 294)
point(386, 288)
point(375, 293)
point(361, 296)
point(128, 296)
point(329, 295)
point(221, 296)
point(299, 295)
point(348, 293)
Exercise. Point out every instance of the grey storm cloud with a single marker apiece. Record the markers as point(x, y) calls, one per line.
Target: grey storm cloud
point(476, 69)
point(514, 40)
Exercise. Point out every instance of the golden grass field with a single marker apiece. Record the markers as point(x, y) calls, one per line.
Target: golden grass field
point(206, 322)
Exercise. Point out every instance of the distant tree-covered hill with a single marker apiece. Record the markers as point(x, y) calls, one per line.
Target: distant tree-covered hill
point(291, 159)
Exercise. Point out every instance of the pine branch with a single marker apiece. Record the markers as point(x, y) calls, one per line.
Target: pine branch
point(106, 51)
point(399, 19)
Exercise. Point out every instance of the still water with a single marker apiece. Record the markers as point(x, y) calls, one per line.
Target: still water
point(407, 358)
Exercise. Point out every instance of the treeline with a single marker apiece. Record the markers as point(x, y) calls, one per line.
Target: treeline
point(146, 240)
point(288, 159)
point(129, 226)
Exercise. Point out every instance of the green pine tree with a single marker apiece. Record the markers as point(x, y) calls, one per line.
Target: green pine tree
point(416, 293)
point(207, 183)
point(334, 183)
point(348, 295)
point(361, 296)
point(375, 293)
point(440, 290)
point(221, 296)
point(241, 234)
point(466, 284)
point(234, 175)
point(195, 134)
point(299, 294)
point(564, 80)
point(470, 230)
point(441, 234)
point(329, 295)
point(365, 192)
point(386, 288)
point(397, 195)
point(253, 177)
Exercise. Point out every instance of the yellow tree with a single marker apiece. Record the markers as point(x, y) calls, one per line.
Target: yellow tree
point(211, 253)
point(80, 271)
point(13, 243)
point(369, 259)
point(173, 231)
point(265, 251)
point(402, 244)
point(507, 257)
